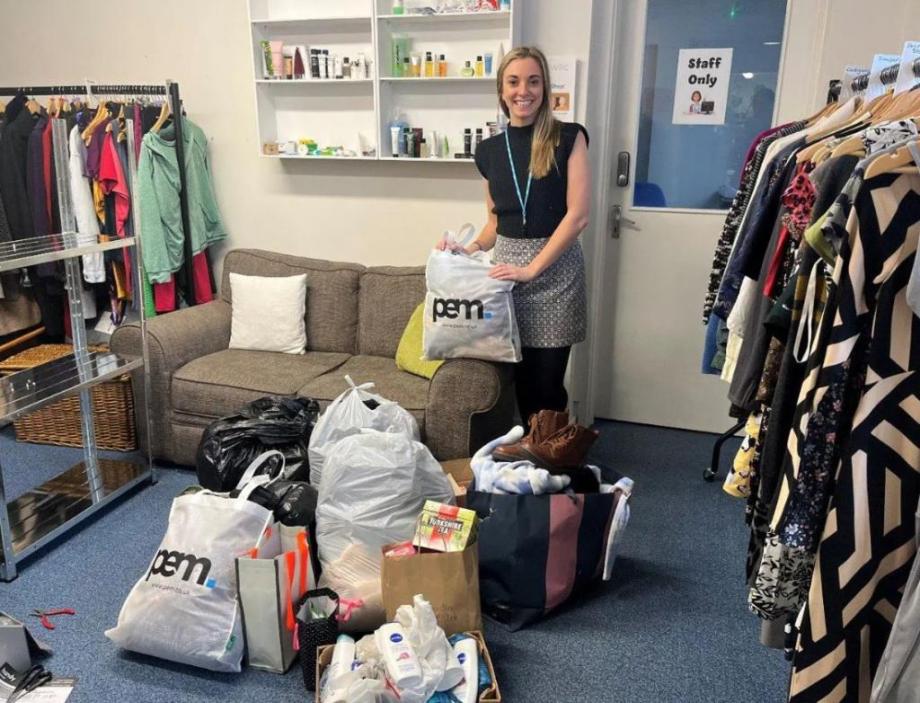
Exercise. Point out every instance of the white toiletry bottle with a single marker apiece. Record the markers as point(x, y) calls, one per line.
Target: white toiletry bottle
point(402, 664)
point(468, 655)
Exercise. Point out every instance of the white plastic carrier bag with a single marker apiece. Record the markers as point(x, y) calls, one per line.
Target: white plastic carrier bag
point(185, 607)
point(356, 409)
point(467, 313)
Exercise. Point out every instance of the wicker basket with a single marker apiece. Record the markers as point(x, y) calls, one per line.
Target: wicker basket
point(59, 423)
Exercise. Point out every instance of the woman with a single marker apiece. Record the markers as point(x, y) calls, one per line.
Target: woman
point(538, 198)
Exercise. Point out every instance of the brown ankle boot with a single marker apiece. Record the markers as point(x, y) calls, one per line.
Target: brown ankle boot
point(542, 425)
point(565, 449)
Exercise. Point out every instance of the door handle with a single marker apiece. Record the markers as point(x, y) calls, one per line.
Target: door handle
point(617, 220)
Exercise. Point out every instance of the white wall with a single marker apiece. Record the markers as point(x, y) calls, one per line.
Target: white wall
point(372, 213)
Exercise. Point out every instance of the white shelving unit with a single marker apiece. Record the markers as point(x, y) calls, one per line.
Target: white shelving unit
point(355, 113)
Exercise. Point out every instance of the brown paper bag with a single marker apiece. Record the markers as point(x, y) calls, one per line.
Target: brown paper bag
point(447, 580)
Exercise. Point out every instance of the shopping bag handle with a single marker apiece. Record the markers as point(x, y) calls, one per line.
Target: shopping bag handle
point(362, 387)
point(256, 463)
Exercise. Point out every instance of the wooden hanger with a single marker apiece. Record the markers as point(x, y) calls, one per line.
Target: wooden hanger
point(97, 120)
point(898, 161)
point(165, 112)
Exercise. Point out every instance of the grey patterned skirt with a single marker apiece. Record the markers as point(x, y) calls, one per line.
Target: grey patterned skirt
point(551, 310)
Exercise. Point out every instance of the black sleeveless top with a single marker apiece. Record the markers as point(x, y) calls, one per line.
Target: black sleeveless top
point(547, 203)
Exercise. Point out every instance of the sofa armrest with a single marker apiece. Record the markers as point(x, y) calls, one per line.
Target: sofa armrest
point(173, 340)
point(469, 403)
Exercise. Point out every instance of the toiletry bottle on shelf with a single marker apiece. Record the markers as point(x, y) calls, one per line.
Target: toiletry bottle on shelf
point(480, 67)
point(337, 62)
point(416, 66)
point(417, 133)
point(478, 139)
point(346, 68)
point(488, 62)
point(442, 66)
point(314, 63)
point(407, 68)
point(505, 5)
point(434, 145)
point(398, 7)
point(327, 64)
point(467, 142)
point(423, 150)
point(429, 65)
point(410, 143)
point(467, 70)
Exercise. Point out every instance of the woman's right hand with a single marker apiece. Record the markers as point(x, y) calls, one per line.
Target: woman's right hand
point(445, 244)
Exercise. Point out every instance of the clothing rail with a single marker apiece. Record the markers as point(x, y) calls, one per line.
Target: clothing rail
point(171, 90)
point(887, 76)
point(126, 89)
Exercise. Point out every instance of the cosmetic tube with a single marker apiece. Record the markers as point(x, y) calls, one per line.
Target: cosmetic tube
point(394, 141)
point(468, 655)
point(435, 147)
point(488, 62)
point(401, 661)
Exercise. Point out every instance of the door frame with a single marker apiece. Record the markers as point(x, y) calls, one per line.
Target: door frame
point(606, 18)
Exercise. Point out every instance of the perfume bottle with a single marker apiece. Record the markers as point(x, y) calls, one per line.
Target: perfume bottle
point(467, 70)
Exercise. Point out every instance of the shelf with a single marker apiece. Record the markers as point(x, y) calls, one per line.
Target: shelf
point(320, 158)
point(317, 81)
point(19, 253)
point(45, 512)
point(493, 15)
point(298, 22)
point(439, 79)
point(26, 391)
point(428, 161)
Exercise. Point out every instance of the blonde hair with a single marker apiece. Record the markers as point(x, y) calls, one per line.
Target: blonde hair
point(546, 128)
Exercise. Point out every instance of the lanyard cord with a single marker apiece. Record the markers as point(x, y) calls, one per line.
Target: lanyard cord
point(517, 187)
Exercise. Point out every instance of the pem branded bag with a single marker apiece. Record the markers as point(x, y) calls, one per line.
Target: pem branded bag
point(467, 313)
point(185, 607)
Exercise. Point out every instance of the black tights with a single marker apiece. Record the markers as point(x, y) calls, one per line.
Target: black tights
point(539, 380)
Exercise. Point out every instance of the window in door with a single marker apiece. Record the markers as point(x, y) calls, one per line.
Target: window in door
point(682, 164)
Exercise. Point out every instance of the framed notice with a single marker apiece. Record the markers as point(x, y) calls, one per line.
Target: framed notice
point(701, 93)
point(562, 71)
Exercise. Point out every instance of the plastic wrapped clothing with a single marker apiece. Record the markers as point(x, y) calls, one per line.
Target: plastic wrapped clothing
point(373, 489)
point(355, 409)
point(230, 444)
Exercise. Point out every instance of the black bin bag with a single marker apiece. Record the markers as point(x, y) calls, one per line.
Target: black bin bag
point(230, 444)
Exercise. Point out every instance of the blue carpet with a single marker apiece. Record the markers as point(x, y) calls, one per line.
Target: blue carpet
point(671, 626)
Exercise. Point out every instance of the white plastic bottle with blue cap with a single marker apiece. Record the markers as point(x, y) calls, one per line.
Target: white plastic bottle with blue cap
point(402, 665)
point(467, 653)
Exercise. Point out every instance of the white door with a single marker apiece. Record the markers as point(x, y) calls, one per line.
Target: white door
point(673, 80)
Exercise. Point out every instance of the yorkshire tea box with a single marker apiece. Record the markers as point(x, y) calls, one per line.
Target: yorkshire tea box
point(445, 528)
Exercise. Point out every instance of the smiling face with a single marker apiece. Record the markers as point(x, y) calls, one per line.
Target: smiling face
point(522, 90)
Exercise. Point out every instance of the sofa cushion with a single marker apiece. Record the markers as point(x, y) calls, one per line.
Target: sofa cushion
point(332, 293)
point(388, 296)
point(409, 391)
point(220, 384)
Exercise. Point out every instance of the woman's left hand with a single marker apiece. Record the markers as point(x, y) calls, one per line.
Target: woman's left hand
point(507, 272)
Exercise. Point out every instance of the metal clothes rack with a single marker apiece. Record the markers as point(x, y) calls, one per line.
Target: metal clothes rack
point(170, 90)
point(860, 84)
point(50, 510)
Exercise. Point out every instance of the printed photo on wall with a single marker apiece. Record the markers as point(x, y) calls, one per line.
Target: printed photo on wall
point(563, 70)
point(701, 92)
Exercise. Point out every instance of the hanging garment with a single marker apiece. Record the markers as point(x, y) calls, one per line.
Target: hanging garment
point(867, 546)
point(13, 152)
point(84, 211)
point(158, 188)
point(898, 677)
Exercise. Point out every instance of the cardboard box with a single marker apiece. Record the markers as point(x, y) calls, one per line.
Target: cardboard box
point(445, 528)
point(460, 470)
point(490, 695)
point(458, 491)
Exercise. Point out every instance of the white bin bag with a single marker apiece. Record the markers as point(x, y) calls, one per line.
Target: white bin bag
point(184, 608)
point(349, 414)
point(467, 313)
point(373, 490)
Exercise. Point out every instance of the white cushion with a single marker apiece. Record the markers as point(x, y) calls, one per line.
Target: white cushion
point(269, 313)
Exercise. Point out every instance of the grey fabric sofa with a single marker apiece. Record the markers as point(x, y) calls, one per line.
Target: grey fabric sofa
point(355, 318)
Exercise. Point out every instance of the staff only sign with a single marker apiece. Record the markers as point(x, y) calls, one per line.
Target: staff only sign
point(701, 94)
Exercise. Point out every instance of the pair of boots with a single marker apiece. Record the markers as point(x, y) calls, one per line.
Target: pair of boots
point(553, 443)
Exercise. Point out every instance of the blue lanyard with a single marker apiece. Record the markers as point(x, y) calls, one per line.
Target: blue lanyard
point(517, 187)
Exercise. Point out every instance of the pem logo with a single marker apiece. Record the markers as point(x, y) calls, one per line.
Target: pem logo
point(451, 308)
point(167, 563)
